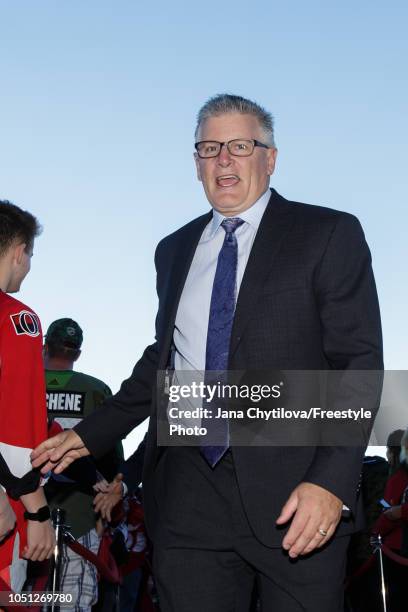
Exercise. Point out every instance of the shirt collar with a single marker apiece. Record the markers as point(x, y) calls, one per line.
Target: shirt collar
point(252, 215)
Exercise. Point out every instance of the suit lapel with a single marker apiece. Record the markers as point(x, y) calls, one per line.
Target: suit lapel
point(273, 229)
point(177, 278)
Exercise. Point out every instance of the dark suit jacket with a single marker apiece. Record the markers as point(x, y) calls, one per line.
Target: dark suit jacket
point(307, 301)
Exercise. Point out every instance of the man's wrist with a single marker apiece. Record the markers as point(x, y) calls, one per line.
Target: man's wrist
point(43, 514)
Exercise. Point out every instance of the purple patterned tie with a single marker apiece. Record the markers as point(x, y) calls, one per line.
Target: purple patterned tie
point(220, 321)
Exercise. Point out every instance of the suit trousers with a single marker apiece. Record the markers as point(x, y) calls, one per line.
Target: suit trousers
point(207, 559)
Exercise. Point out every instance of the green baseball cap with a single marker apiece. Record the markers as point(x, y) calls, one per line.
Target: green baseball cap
point(65, 332)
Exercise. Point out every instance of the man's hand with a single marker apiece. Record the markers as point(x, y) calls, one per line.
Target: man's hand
point(102, 486)
point(7, 516)
point(394, 513)
point(59, 452)
point(40, 541)
point(313, 508)
point(104, 502)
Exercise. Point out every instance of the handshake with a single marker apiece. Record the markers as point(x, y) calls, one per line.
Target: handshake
point(59, 452)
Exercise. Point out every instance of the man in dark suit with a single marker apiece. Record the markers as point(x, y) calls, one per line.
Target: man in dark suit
point(258, 284)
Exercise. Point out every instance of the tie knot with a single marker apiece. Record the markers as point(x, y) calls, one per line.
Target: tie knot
point(231, 223)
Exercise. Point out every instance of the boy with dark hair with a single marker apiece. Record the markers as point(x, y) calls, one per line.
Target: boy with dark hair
point(23, 421)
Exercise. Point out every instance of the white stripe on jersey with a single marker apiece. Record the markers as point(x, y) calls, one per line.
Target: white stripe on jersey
point(17, 458)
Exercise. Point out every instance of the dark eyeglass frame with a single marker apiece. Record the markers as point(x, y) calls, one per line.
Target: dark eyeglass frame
point(256, 143)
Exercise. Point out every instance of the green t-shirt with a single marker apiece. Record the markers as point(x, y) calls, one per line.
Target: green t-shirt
point(72, 396)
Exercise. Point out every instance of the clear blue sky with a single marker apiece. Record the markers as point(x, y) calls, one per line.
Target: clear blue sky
point(98, 103)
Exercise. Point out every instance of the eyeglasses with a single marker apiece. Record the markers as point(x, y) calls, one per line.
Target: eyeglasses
point(239, 147)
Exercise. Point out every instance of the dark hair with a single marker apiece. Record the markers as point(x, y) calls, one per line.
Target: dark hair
point(394, 442)
point(61, 351)
point(395, 462)
point(16, 224)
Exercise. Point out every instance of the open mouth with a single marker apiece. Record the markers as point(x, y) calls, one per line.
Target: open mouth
point(227, 180)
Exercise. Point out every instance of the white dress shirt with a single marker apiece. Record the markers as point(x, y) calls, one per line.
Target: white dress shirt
point(191, 326)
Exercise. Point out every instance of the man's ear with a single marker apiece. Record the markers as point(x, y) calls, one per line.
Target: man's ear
point(197, 163)
point(272, 155)
point(18, 252)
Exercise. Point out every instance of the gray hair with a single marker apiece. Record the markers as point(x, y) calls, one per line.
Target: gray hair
point(222, 104)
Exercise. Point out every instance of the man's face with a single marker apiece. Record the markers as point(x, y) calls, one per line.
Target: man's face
point(233, 184)
point(21, 267)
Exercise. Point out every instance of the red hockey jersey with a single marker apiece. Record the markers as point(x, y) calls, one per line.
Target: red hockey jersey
point(23, 415)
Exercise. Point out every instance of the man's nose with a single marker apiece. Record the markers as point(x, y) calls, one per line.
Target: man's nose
point(224, 157)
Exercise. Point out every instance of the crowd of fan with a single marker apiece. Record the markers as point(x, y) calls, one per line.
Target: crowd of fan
point(100, 498)
point(385, 498)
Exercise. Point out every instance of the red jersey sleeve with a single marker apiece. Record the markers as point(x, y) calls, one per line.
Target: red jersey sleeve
point(23, 416)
